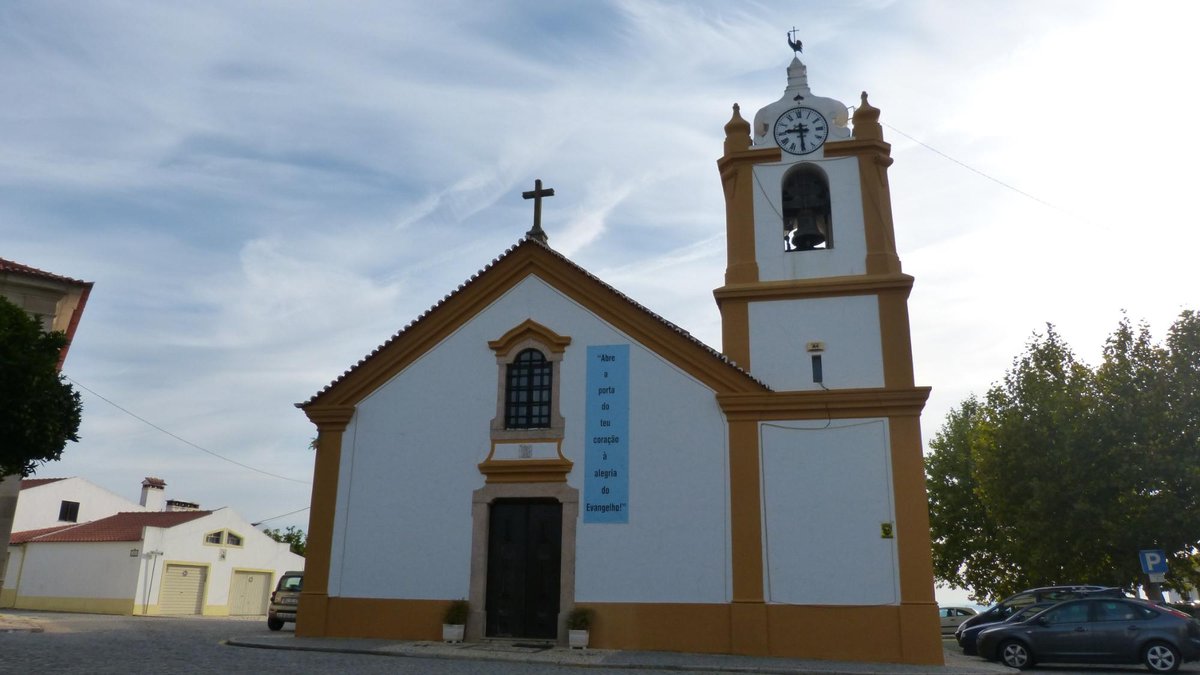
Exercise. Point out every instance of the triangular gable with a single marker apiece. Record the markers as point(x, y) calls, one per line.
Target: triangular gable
point(532, 258)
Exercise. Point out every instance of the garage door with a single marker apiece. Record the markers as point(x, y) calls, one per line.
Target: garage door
point(182, 590)
point(248, 593)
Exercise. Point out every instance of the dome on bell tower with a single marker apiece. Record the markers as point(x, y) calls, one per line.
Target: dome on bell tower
point(798, 95)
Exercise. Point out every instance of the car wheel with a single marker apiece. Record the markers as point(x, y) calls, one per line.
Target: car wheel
point(1015, 654)
point(273, 623)
point(1160, 657)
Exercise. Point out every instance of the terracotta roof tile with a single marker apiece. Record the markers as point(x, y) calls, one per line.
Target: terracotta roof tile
point(125, 526)
point(25, 535)
point(18, 268)
point(27, 483)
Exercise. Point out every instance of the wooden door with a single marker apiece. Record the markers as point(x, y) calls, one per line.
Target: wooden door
point(524, 558)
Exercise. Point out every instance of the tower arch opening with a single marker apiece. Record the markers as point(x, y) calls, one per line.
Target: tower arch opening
point(806, 213)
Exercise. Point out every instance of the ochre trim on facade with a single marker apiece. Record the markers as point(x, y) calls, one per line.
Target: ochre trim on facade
point(796, 631)
point(529, 330)
point(526, 470)
point(824, 287)
point(737, 179)
point(874, 158)
point(819, 404)
point(745, 511)
point(331, 421)
point(735, 330)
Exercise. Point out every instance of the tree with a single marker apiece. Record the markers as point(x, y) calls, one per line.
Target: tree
point(293, 536)
point(1063, 472)
point(39, 410)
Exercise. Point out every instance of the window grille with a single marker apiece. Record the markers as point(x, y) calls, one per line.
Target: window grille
point(527, 391)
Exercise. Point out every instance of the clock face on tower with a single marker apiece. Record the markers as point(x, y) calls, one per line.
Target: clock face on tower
point(800, 131)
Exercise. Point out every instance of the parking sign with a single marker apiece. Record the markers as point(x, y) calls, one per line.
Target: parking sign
point(1153, 561)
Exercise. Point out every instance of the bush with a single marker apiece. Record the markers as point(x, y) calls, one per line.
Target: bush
point(580, 618)
point(456, 613)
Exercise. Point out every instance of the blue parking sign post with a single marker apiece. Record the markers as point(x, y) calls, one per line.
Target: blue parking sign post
point(1154, 564)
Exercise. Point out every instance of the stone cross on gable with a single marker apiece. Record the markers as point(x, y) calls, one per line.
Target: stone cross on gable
point(536, 195)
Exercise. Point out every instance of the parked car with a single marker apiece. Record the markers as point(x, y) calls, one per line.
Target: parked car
point(1096, 630)
point(969, 636)
point(1006, 607)
point(284, 600)
point(952, 616)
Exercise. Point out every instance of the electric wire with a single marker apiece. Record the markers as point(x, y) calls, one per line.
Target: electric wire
point(260, 522)
point(147, 422)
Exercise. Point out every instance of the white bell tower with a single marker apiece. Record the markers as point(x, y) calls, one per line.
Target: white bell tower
point(815, 305)
point(814, 297)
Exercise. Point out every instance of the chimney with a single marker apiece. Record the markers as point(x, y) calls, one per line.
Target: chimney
point(178, 505)
point(153, 493)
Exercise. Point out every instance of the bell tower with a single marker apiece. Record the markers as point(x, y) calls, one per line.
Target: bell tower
point(815, 305)
point(814, 296)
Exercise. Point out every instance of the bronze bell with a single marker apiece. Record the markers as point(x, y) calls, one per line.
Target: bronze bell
point(805, 234)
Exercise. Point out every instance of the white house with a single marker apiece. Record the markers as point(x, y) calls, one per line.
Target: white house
point(539, 441)
point(48, 502)
point(144, 560)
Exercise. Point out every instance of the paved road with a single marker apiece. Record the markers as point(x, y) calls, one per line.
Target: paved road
point(77, 644)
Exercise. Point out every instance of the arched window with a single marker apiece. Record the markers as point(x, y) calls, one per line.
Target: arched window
point(806, 222)
point(527, 391)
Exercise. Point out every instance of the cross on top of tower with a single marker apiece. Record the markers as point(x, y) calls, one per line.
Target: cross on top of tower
point(796, 45)
point(536, 195)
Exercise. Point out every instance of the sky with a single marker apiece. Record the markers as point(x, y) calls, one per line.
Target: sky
point(264, 192)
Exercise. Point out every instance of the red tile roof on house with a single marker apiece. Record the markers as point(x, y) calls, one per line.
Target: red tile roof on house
point(25, 535)
point(27, 483)
point(125, 526)
point(18, 268)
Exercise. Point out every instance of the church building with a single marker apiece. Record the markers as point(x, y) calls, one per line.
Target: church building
point(539, 441)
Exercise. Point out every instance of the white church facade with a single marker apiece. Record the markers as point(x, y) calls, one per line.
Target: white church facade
point(538, 441)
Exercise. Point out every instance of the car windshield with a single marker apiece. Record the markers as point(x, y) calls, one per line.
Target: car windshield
point(1027, 612)
point(291, 583)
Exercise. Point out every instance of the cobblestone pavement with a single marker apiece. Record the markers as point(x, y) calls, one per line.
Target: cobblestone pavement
point(71, 644)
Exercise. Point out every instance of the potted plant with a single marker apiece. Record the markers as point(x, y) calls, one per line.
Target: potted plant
point(454, 621)
point(579, 622)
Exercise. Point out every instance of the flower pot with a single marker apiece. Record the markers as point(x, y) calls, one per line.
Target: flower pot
point(453, 632)
point(578, 639)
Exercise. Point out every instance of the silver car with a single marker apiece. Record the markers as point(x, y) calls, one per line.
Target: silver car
point(1096, 630)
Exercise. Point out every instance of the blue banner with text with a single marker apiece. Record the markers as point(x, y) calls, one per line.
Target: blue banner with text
point(606, 448)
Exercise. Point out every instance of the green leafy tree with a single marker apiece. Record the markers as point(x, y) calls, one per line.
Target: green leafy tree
point(1063, 472)
point(293, 536)
point(39, 410)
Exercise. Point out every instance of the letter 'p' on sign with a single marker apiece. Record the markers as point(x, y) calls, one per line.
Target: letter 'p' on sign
point(1153, 561)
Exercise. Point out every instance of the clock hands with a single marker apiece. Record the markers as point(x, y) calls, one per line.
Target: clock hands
point(799, 129)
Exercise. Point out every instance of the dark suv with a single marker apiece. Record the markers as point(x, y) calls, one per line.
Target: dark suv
point(285, 599)
point(1005, 608)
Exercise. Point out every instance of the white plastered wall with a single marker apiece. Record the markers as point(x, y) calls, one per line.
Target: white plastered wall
point(848, 255)
point(826, 492)
point(96, 570)
point(847, 325)
point(38, 507)
point(409, 466)
point(184, 544)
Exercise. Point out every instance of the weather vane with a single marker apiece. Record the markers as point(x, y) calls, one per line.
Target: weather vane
point(796, 45)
